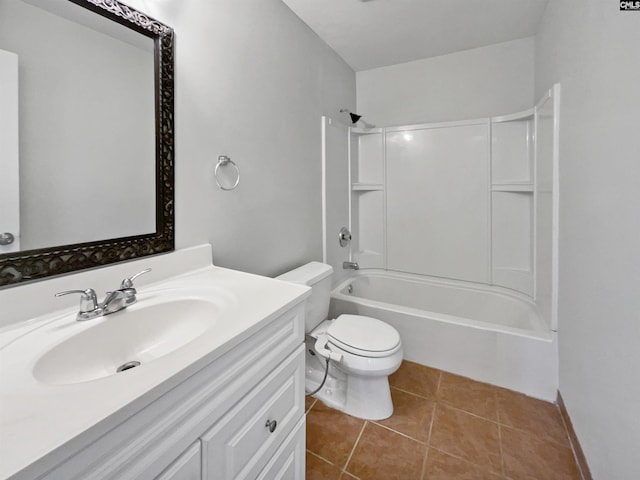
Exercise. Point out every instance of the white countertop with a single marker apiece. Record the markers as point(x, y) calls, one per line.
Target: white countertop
point(36, 418)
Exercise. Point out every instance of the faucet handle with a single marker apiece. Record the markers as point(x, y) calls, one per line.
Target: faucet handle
point(88, 299)
point(128, 282)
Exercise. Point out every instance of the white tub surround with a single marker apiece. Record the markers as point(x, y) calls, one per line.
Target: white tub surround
point(473, 200)
point(245, 363)
point(490, 334)
point(473, 203)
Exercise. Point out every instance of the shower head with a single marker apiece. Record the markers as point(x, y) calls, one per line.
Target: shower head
point(354, 116)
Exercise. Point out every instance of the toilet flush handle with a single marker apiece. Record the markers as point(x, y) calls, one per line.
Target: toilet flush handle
point(323, 351)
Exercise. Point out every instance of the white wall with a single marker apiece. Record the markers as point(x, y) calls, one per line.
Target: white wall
point(482, 82)
point(592, 49)
point(252, 81)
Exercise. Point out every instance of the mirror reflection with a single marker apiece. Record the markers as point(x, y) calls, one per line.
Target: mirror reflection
point(77, 129)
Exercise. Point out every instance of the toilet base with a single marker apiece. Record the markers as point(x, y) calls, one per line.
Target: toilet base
point(368, 397)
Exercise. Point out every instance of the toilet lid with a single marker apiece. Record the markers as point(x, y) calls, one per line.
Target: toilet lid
point(363, 334)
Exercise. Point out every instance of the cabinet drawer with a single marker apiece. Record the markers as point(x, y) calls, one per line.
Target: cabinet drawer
point(289, 461)
point(187, 466)
point(242, 442)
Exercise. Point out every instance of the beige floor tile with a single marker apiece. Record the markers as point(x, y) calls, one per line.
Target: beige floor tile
point(319, 469)
point(385, 455)
point(412, 415)
point(441, 466)
point(468, 395)
point(415, 378)
point(532, 415)
point(526, 457)
point(467, 436)
point(467, 419)
point(332, 434)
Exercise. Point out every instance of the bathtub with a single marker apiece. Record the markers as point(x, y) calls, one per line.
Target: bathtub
point(490, 334)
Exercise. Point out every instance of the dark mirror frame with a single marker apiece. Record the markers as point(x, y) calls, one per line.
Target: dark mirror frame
point(28, 265)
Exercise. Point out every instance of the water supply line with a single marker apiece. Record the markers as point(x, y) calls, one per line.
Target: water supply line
point(323, 351)
point(324, 379)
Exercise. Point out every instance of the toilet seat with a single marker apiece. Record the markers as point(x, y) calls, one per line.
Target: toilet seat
point(364, 336)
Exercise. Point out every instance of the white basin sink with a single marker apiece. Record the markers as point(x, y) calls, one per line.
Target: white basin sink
point(132, 338)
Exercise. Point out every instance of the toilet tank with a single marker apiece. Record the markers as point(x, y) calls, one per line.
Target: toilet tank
point(317, 276)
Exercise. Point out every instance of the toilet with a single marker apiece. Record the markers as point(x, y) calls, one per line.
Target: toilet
point(362, 351)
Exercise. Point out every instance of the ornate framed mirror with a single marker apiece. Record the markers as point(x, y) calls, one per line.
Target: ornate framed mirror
point(90, 130)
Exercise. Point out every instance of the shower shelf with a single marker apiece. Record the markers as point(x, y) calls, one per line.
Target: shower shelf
point(515, 117)
point(365, 131)
point(512, 187)
point(366, 187)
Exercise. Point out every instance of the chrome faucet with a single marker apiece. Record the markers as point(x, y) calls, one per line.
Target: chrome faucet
point(123, 296)
point(89, 307)
point(350, 265)
point(113, 302)
point(118, 299)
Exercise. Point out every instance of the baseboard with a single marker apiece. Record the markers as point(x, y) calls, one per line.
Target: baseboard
point(577, 449)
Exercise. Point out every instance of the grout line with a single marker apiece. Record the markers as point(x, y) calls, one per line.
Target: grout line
point(320, 457)
point(433, 397)
point(351, 475)
point(330, 463)
point(315, 400)
point(426, 454)
point(483, 468)
point(433, 420)
point(344, 467)
point(396, 431)
point(504, 471)
point(448, 405)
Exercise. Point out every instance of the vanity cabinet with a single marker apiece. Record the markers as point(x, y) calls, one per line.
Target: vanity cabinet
point(187, 466)
point(237, 416)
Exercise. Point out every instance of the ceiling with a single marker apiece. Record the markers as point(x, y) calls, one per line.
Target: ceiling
point(375, 33)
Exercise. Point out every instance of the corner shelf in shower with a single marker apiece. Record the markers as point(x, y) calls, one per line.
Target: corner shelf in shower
point(527, 114)
point(365, 131)
point(366, 187)
point(512, 200)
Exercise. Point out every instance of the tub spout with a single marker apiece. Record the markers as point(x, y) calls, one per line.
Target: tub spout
point(350, 265)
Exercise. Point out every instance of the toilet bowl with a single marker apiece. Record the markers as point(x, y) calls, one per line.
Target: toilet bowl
point(357, 384)
point(361, 351)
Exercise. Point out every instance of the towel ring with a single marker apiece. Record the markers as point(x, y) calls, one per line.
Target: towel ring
point(222, 161)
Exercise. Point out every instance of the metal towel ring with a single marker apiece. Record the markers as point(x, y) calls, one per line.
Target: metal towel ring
point(222, 161)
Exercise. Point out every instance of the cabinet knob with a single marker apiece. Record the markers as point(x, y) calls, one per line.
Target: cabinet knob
point(271, 425)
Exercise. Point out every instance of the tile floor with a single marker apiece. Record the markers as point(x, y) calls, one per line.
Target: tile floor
point(443, 427)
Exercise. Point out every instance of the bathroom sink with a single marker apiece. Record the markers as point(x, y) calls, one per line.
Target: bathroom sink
point(126, 340)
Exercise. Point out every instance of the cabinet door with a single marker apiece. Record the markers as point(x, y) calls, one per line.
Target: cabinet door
point(289, 461)
point(187, 466)
point(243, 441)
